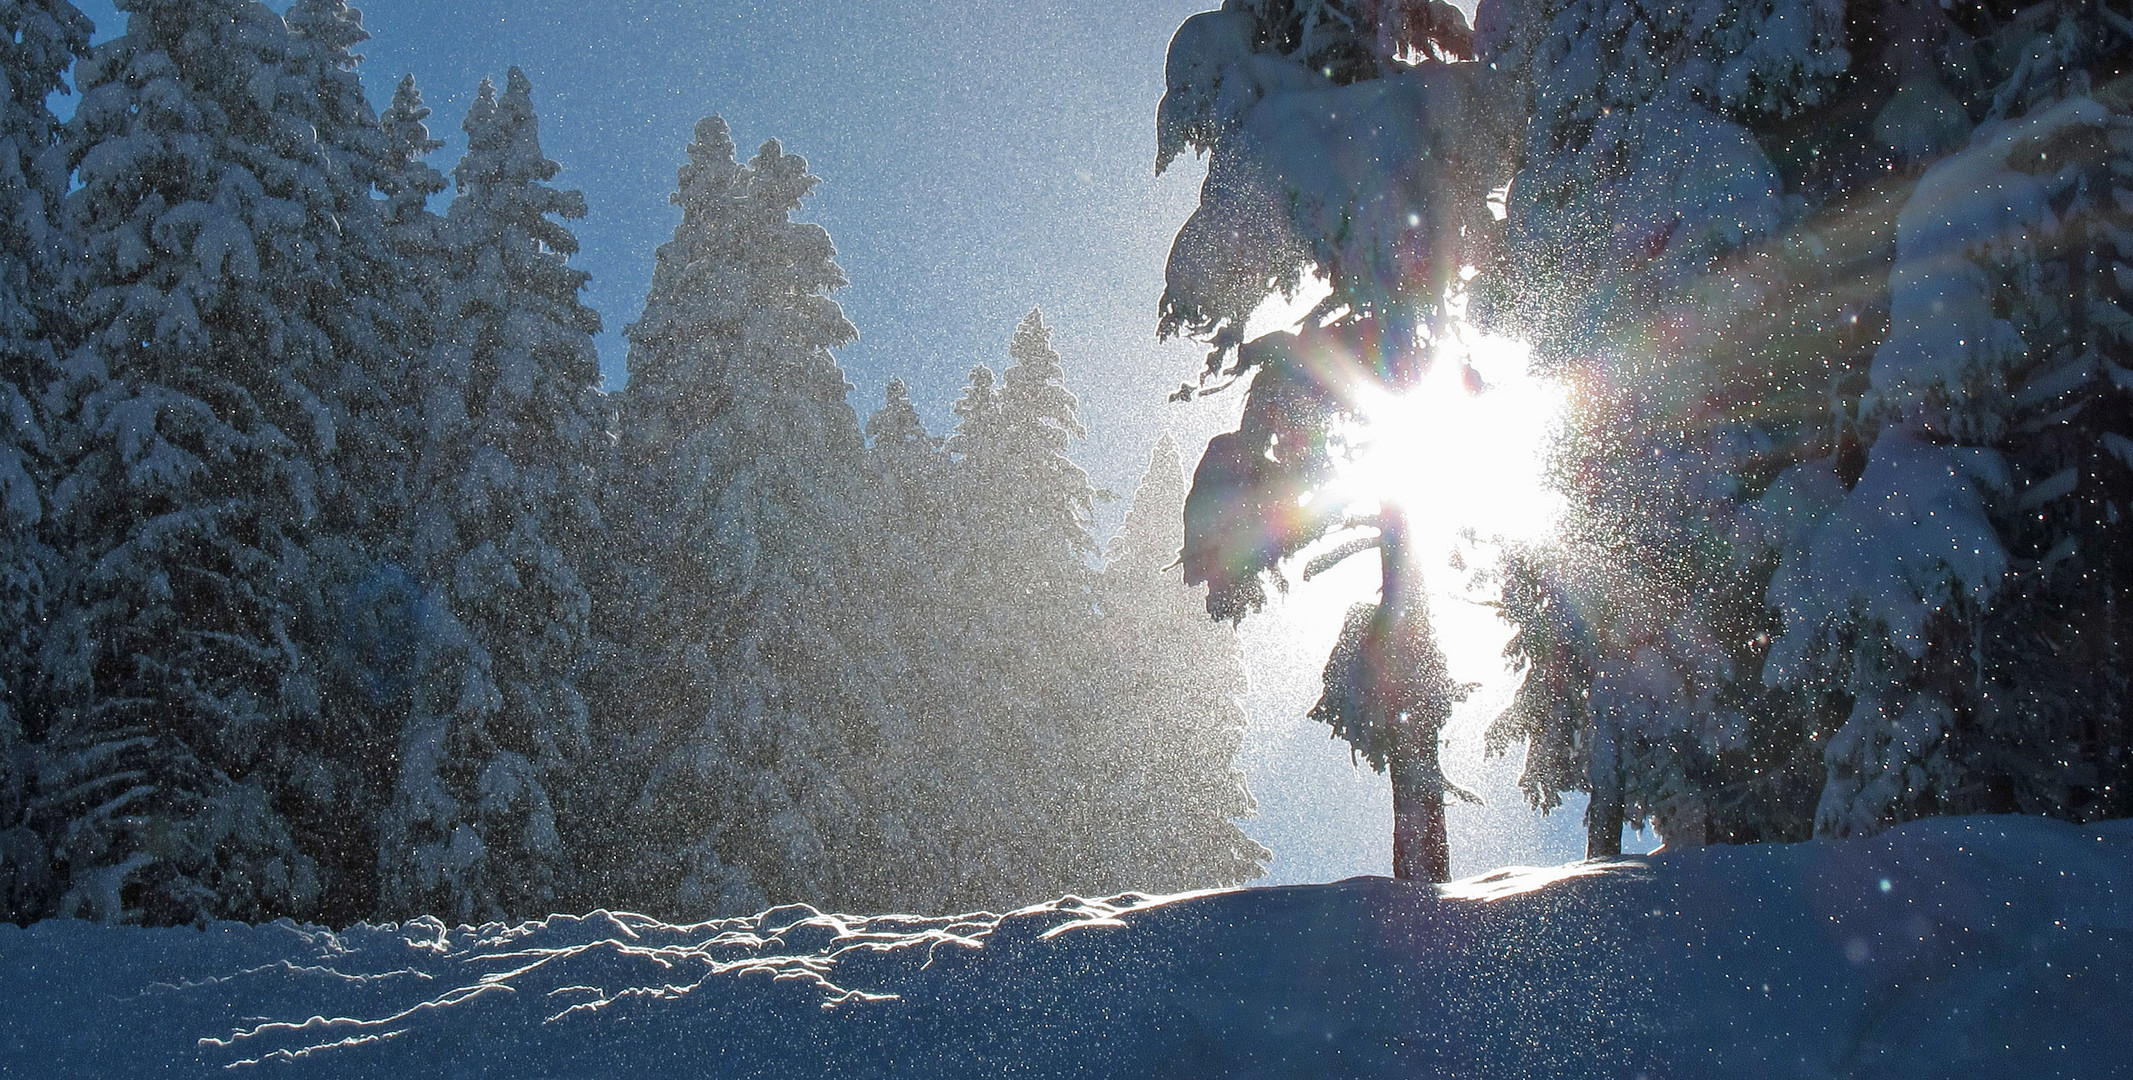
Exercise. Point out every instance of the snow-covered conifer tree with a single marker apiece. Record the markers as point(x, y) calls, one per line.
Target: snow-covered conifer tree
point(189, 507)
point(1978, 630)
point(909, 470)
point(504, 488)
point(1896, 463)
point(1343, 138)
point(362, 383)
point(653, 604)
point(406, 178)
point(1173, 718)
point(428, 403)
point(2056, 642)
point(1643, 624)
point(1046, 501)
point(923, 660)
point(744, 460)
point(1020, 585)
point(39, 40)
point(358, 624)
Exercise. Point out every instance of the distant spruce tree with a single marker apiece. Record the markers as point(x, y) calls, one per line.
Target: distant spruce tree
point(1019, 587)
point(408, 181)
point(39, 40)
point(745, 463)
point(1170, 792)
point(424, 412)
point(506, 498)
point(921, 658)
point(679, 352)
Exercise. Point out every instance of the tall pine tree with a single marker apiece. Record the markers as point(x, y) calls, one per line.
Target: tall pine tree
point(1018, 587)
point(39, 40)
point(506, 512)
point(190, 506)
point(1173, 716)
point(356, 624)
point(746, 459)
point(919, 657)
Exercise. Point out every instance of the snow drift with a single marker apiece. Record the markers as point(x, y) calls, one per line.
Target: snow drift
point(1971, 946)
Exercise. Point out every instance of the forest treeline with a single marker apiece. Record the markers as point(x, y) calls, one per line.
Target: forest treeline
point(333, 587)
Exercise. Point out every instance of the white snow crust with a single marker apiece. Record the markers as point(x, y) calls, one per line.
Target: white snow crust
point(1948, 947)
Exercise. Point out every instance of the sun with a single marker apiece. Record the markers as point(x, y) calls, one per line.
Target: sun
point(1464, 453)
point(1462, 456)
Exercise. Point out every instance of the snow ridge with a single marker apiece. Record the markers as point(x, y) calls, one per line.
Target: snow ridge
point(1946, 947)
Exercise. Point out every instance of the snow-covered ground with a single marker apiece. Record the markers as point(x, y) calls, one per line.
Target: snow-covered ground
point(1958, 947)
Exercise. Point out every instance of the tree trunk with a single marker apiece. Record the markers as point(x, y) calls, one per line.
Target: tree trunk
point(1420, 850)
point(1603, 816)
